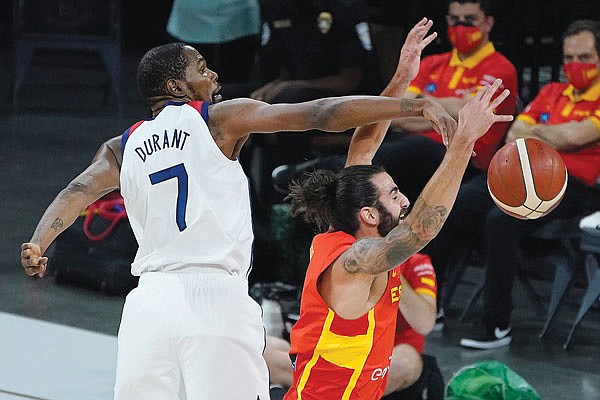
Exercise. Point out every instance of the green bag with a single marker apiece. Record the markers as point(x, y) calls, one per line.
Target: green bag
point(489, 380)
point(292, 239)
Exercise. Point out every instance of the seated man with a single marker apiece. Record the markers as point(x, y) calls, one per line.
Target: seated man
point(451, 78)
point(566, 116)
point(412, 372)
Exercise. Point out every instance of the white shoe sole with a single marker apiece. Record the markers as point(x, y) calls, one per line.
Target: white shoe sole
point(476, 344)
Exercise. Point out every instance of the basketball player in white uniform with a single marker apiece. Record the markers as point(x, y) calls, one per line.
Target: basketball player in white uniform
point(190, 330)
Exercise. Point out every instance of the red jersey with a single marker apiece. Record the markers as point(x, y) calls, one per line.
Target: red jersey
point(445, 75)
point(420, 274)
point(556, 104)
point(338, 358)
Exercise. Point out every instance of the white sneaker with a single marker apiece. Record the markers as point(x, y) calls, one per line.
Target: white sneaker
point(591, 223)
point(488, 339)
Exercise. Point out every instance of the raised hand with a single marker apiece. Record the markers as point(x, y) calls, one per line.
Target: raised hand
point(477, 115)
point(410, 55)
point(31, 259)
point(440, 120)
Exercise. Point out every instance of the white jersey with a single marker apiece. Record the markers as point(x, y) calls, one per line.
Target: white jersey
point(188, 204)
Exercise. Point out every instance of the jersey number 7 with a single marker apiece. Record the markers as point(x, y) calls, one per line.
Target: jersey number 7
point(177, 171)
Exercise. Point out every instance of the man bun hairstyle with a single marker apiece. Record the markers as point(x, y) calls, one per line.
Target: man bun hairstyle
point(312, 198)
point(326, 199)
point(157, 66)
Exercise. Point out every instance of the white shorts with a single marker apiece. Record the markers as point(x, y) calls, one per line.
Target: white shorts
point(191, 335)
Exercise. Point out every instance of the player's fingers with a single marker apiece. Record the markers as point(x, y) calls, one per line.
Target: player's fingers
point(451, 126)
point(423, 29)
point(31, 271)
point(498, 100)
point(427, 40)
point(480, 92)
point(424, 21)
point(487, 96)
point(503, 118)
point(445, 140)
point(441, 128)
point(420, 29)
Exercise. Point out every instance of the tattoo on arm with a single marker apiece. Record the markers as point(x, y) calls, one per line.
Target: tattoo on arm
point(375, 255)
point(407, 105)
point(57, 224)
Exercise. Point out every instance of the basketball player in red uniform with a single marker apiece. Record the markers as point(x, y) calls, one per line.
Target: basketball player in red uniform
point(342, 344)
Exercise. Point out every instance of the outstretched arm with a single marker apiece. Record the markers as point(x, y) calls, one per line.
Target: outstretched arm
point(375, 255)
point(100, 178)
point(239, 117)
point(367, 139)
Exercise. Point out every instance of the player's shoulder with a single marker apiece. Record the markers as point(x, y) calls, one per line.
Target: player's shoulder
point(222, 110)
point(555, 87)
point(551, 91)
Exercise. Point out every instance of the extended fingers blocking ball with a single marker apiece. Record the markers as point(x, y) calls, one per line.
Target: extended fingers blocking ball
point(527, 178)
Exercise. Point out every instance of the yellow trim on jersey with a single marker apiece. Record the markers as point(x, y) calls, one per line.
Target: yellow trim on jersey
point(346, 351)
point(414, 89)
point(427, 281)
point(591, 94)
point(567, 110)
point(456, 77)
point(595, 120)
point(527, 119)
point(427, 292)
point(473, 60)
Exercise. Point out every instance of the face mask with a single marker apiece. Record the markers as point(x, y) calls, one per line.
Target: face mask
point(581, 75)
point(464, 38)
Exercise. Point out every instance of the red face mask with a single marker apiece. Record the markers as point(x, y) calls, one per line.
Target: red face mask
point(581, 75)
point(464, 38)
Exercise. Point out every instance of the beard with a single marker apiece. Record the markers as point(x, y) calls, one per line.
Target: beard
point(388, 221)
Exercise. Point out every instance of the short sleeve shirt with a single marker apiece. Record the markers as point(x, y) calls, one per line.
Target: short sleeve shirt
point(445, 75)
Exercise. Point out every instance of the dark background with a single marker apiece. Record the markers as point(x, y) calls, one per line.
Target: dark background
point(526, 31)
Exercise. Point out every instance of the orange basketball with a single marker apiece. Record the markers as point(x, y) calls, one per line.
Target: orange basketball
point(527, 178)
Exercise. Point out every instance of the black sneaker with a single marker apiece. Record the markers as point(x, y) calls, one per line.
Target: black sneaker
point(490, 339)
point(277, 392)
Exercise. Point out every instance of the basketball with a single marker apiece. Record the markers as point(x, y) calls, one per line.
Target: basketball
point(527, 178)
